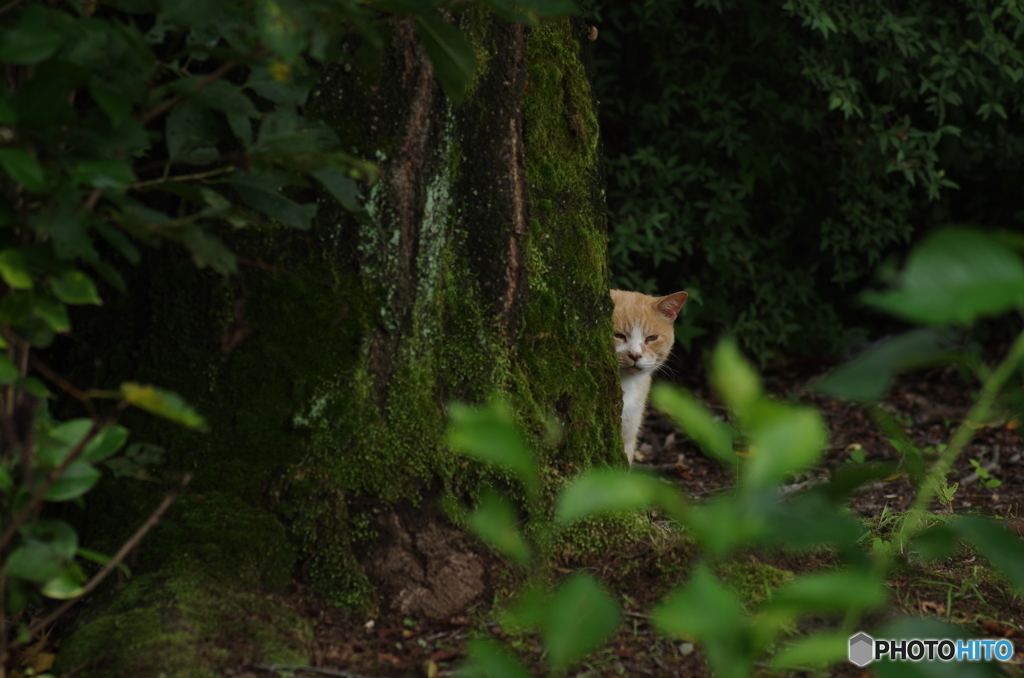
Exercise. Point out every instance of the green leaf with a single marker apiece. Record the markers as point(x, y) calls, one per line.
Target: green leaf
point(810, 520)
point(260, 193)
point(785, 440)
point(713, 437)
point(819, 651)
point(6, 482)
point(279, 31)
point(111, 99)
point(32, 41)
point(163, 403)
point(23, 168)
point(487, 659)
point(192, 134)
point(702, 609)
point(115, 174)
point(236, 106)
point(724, 524)
point(77, 479)
point(8, 370)
point(603, 490)
point(34, 561)
point(935, 543)
point(496, 523)
point(68, 232)
point(75, 287)
point(582, 614)
point(449, 51)
point(734, 378)
point(49, 545)
point(106, 443)
point(952, 278)
point(60, 536)
point(101, 559)
point(55, 445)
point(868, 376)
point(33, 386)
point(68, 584)
point(119, 241)
point(487, 434)
point(528, 610)
point(8, 116)
point(14, 270)
point(53, 312)
point(292, 93)
point(342, 187)
point(209, 250)
point(287, 133)
point(706, 611)
point(1004, 550)
point(831, 592)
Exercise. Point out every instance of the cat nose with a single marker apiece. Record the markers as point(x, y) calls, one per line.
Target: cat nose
point(635, 356)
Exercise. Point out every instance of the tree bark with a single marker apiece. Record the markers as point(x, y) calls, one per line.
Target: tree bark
point(325, 366)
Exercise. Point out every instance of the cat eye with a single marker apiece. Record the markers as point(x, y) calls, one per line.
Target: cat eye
point(653, 337)
point(621, 336)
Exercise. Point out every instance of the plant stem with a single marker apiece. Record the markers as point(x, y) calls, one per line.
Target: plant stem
point(963, 435)
point(111, 564)
point(35, 503)
point(182, 177)
point(167, 105)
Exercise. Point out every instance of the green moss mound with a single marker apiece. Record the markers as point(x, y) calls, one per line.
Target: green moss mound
point(179, 626)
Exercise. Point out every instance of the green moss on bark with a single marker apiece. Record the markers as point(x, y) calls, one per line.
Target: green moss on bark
point(484, 271)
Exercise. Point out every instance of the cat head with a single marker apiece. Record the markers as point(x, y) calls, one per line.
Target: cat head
point(644, 329)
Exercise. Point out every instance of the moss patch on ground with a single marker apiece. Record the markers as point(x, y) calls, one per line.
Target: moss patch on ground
point(184, 626)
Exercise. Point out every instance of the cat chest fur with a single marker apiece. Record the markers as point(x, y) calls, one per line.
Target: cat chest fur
point(643, 340)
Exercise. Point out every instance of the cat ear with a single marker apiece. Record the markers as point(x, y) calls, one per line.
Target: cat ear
point(669, 306)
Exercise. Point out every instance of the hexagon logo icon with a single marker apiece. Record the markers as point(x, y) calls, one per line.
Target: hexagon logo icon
point(862, 649)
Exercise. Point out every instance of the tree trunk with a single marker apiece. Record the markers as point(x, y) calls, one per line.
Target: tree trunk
point(325, 366)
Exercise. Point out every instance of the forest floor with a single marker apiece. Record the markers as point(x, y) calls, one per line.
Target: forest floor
point(926, 406)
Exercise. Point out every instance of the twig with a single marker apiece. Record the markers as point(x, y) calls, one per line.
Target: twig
point(9, 6)
point(44, 487)
point(63, 384)
point(93, 198)
point(162, 108)
point(182, 177)
point(122, 553)
point(311, 669)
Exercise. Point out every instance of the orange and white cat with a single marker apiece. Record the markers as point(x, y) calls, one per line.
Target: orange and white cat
point(643, 339)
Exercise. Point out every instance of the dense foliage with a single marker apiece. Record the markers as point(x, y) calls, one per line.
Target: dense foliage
point(766, 442)
point(767, 156)
point(129, 123)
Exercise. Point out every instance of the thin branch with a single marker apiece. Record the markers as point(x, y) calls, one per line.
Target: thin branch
point(44, 487)
point(63, 384)
point(167, 105)
point(9, 6)
point(122, 553)
point(93, 198)
point(182, 177)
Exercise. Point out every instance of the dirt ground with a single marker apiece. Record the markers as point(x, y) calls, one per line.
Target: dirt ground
point(927, 406)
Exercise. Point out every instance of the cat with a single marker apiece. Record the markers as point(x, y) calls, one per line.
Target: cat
point(643, 339)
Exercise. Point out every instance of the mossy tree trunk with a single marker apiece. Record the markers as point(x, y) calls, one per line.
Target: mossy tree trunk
point(324, 367)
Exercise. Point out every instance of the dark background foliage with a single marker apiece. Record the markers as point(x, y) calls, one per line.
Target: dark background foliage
point(769, 157)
